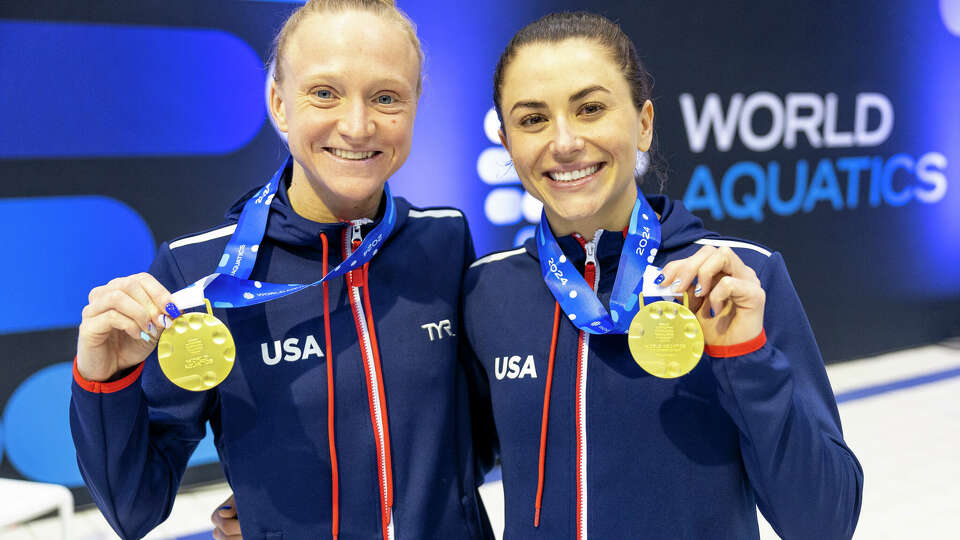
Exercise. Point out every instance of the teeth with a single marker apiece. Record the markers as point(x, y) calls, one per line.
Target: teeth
point(347, 154)
point(568, 176)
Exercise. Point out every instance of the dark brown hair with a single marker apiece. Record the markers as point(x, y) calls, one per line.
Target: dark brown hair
point(557, 27)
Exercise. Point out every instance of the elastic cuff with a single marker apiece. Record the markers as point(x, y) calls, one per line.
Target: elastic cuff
point(740, 349)
point(108, 386)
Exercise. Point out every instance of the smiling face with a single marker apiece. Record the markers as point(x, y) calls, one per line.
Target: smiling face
point(347, 103)
point(573, 133)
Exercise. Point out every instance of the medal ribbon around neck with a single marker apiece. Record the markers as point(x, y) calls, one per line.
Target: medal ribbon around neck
point(230, 287)
point(575, 296)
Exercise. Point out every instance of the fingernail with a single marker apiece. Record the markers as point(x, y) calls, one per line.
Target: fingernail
point(659, 279)
point(163, 321)
point(698, 291)
point(711, 313)
point(151, 329)
point(172, 310)
point(145, 336)
point(675, 285)
point(226, 507)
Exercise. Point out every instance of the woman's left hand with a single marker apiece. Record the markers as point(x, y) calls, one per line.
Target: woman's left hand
point(716, 279)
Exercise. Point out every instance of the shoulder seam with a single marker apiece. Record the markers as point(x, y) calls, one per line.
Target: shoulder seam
point(731, 243)
point(203, 237)
point(498, 256)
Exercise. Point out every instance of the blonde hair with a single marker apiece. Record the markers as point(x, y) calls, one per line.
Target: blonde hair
point(383, 8)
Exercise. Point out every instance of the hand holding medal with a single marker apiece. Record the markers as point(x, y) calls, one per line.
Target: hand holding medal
point(727, 297)
point(120, 325)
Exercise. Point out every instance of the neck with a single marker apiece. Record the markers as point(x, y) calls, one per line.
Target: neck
point(313, 201)
point(612, 217)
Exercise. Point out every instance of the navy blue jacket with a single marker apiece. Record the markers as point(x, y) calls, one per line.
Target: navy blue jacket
point(643, 457)
point(269, 417)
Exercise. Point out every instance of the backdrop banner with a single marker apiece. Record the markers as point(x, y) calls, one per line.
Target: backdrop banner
point(827, 131)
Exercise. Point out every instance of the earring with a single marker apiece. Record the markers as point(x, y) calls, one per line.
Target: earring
point(643, 162)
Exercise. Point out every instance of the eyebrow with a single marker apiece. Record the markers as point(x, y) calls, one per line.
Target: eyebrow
point(575, 97)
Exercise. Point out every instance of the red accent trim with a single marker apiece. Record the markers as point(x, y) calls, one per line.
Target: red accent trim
point(380, 386)
point(331, 435)
point(105, 387)
point(354, 278)
point(579, 446)
point(740, 349)
point(590, 275)
point(546, 413)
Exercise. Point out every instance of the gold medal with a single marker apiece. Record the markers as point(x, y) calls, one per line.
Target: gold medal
point(197, 352)
point(665, 338)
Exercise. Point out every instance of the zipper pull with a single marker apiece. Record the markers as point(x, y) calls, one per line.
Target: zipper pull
point(356, 235)
point(591, 249)
point(355, 277)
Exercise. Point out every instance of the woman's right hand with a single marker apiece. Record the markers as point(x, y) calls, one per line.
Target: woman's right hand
point(225, 519)
point(121, 324)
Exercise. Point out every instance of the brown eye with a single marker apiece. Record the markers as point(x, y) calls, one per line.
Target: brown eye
point(532, 119)
point(591, 108)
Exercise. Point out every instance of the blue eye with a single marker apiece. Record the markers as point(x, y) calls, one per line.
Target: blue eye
point(323, 93)
point(385, 99)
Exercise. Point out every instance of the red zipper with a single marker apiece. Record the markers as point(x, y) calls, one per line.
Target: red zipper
point(357, 280)
point(591, 274)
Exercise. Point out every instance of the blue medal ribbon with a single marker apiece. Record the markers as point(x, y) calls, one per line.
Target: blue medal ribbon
point(575, 296)
point(230, 287)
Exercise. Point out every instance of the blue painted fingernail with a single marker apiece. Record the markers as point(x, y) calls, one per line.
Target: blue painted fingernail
point(659, 279)
point(698, 290)
point(145, 336)
point(172, 310)
point(226, 507)
point(711, 313)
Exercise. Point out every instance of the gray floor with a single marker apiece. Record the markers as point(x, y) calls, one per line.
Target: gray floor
point(904, 428)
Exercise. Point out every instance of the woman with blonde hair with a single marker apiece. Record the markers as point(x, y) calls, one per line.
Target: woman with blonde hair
point(341, 417)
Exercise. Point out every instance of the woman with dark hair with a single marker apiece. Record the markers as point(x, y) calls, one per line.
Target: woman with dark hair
point(591, 444)
point(341, 416)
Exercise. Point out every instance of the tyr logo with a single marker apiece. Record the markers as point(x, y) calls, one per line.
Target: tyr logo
point(438, 329)
point(509, 367)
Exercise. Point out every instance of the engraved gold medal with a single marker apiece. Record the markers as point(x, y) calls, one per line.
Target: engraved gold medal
point(197, 351)
point(665, 338)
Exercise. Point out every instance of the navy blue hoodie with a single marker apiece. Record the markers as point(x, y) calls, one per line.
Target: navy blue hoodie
point(629, 455)
point(402, 431)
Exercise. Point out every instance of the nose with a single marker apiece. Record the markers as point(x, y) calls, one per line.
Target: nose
point(356, 124)
point(566, 142)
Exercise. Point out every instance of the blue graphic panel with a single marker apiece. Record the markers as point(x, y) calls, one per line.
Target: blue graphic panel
point(66, 246)
point(38, 427)
point(125, 91)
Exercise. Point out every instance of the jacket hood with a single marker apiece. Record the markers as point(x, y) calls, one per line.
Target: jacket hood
point(678, 227)
point(286, 226)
